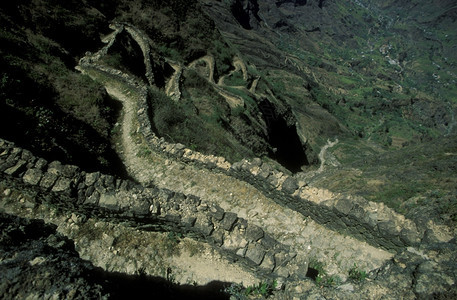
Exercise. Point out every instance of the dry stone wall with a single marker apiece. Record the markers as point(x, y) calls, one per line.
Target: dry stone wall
point(367, 221)
point(150, 208)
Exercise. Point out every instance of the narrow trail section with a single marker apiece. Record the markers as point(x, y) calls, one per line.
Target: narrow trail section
point(306, 238)
point(208, 60)
point(253, 87)
point(233, 100)
point(323, 152)
point(239, 66)
point(131, 150)
point(172, 88)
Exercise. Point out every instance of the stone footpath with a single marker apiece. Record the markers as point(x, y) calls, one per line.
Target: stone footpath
point(418, 269)
point(374, 223)
point(428, 271)
point(153, 209)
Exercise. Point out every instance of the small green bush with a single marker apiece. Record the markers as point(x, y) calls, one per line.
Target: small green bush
point(322, 279)
point(263, 289)
point(356, 274)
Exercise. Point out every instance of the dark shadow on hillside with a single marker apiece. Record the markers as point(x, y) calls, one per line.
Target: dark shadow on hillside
point(25, 239)
point(122, 286)
point(68, 140)
point(125, 54)
point(288, 149)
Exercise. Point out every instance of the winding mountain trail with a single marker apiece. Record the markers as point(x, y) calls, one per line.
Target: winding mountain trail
point(323, 152)
point(172, 88)
point(209, 61)
point(307, 239)
point(233, 100)
point(305, 236)
point(239, 66)
point(253, 87)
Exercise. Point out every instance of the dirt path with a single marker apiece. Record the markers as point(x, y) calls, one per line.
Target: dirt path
point(254, 85)
point(307, 238)
point(239, 65)
point(233, 100)
point(209, 60)
point(116, 247)
point(322, 154)
point(172, 86)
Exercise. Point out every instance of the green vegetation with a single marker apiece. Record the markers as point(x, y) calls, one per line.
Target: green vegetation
point(170, 53)
point(357, 274)
point(378, 72)
point(223, 56)
point(250, 103)
point(180, 123)
point(418, 176)
point(235, 79)
point(322, 279)
point(174, 237)
point(144, 151)
point(261, 290)
point(395, 193)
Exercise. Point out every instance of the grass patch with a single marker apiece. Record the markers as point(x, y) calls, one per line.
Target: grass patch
point(316, 271)
point(235, 79)
point(262, 289)
point(179, 123)
point(356, 274)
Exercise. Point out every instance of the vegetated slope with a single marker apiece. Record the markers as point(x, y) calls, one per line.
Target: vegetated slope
point(179, 34)
point(384, 71)
point(381, 74)
point(299, 88)
point(46, 105)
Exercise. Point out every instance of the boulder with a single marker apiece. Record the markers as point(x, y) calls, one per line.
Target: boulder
point(255, 253)
point(254, 233)
point(229, 220)
point(32, 176)
point(290, 185)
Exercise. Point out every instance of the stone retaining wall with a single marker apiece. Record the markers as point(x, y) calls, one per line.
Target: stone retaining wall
point(374, 223)
point(367, 221)
point(151, 208)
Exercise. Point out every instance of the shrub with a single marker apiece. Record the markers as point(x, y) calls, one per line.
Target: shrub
point(356, 274)
point(263, 289)
point(317, 272)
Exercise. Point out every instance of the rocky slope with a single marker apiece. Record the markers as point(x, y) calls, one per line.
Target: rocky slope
point(293, 189)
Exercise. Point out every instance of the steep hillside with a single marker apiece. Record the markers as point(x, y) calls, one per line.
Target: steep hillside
point(360, 61)
point(380, 76)
point(288, 149)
